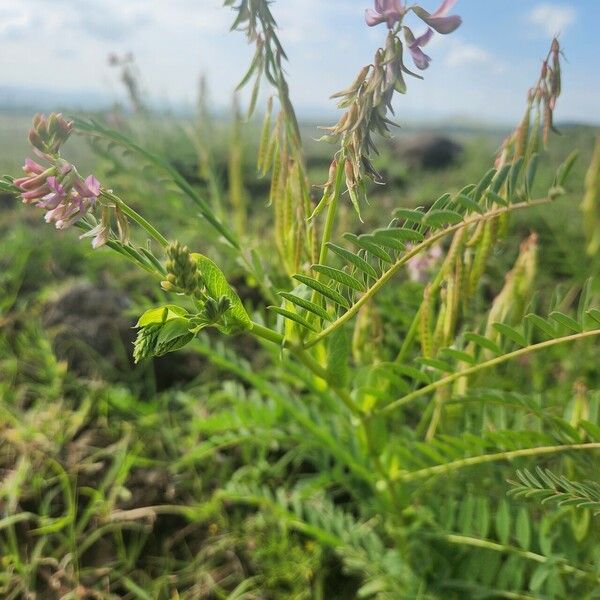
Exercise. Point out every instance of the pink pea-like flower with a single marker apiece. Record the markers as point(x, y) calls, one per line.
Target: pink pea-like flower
point(419, 57)
point(393, 11)
point(386, 11)
point(439, 19)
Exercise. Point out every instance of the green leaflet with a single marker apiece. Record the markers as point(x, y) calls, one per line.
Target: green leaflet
point(510, 333)
point(567, 322)
point(409, 215)
point(368, 243)
point(338, 351)
point(292, 316)
point(323, 289)
point(359, 263)
point(468, 204)
point(235, 319)
point(307, 305)
point(161, 314)
point(442, 217)
point(483, 184)
point(402, 234)
point(482, 341)
point(340, 276)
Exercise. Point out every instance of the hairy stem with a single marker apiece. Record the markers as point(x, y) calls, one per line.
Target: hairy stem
point(308, 361)
point(505, 549)
point(485, 365)
point(136, 217)
point(471, 461)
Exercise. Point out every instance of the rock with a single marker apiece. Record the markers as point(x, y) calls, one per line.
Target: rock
point(90, 329)
point(430, 151)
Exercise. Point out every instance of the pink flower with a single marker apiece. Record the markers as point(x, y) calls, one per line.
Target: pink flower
point(55, 197)
point(32, 168)
point(439, 20)
point(386, 11)
point(59, 190)
point(419, 57)
point(419, 266)
point(90, 188)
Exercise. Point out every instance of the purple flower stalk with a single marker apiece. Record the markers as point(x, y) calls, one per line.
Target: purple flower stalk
point(393, 11)
point(58, 188)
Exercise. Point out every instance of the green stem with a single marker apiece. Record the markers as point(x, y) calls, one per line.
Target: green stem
point(485, 365)
point(308, 361)
point(330, 221)
point(267, 334)
point(331, 212)
point(134, 216)
point(539, 558)
point(471, 461)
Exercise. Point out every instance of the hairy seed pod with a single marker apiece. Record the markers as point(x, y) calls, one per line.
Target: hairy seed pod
point(450, 314)
point(522, 133)
point(299, 240)
point(264, 145)
point(437, 340)
point(481, 254)
point(590, 205)
point(466, 264)
point(476, 235)
point(454, 251)
point(425, 323)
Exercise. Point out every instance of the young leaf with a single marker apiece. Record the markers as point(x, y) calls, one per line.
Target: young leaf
point(236, 318)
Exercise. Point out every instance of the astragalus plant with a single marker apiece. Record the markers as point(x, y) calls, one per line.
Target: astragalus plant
point(402, 446)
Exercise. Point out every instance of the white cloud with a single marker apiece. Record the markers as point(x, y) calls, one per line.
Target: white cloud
point(458, 54)
point(551, 19)
point(464, 54)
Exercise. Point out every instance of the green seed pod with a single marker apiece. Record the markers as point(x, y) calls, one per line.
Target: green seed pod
point(482, 253)
point(438, 331)
point(476, 235)
point(425, 323)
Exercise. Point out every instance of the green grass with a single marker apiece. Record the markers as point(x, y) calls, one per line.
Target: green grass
point(112, 481)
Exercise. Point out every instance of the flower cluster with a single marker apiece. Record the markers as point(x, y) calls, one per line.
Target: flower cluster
point(368, 100)
point(392, 12)
point(183, 276)
point(57, 188)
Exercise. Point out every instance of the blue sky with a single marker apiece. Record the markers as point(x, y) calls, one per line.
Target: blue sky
point(481, 72)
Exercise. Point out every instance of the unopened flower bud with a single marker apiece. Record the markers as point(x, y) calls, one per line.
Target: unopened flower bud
point(182, 271)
